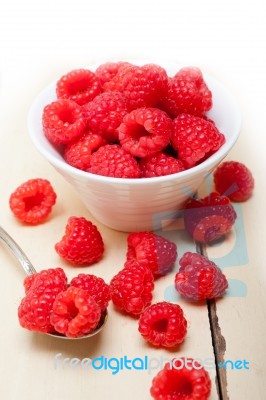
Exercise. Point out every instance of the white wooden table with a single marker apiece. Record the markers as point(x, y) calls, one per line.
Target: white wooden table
point(39, 41)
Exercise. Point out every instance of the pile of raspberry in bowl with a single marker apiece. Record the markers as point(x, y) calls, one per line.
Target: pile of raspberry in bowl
point(129, 121)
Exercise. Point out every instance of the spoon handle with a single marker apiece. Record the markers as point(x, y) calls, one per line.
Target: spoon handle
point(17, 252)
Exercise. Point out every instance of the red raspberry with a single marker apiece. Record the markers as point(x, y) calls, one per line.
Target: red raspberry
point(209, 218)
point(63, 121)
point(143, 86)
point(107, 71)
point(75, 313)
point(163, 324)
point(152, 251)
point(78, 153)
point(187, 93)
point(181, 379)
point(105, 113)
point(199, 278)
point(95, 286)
point(32, 201)
point(113, 160)
point(195, 139)
point(79, 85)
point(160, 164)
point(131, 288)
point(235, 180)
point(145, 131)
point(82, 243)
point(41, 290)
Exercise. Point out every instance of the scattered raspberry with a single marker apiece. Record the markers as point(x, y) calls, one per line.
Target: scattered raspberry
point(131, 288)
point(160, 164)
point(195, 139)
point(235, 180)
point(143, 86)
point(105, 113)
point(145, 131)
point(78, 153)
point(163, 324)
point(80, 85)
point(75, 313)
point(181, 379)
point(82, 243)
point(199, 278)
point(187, 93)
point(41, 290)
point(107, 71)
point(152, 251)
point(95, 286)
point(209, 218)
point(63, 121)
point(32, 201)
point(113, 160)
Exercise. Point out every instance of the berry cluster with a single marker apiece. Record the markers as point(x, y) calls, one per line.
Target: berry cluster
point(130, 121)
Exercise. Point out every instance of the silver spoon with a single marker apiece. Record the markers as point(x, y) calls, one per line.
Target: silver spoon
point(29, 270)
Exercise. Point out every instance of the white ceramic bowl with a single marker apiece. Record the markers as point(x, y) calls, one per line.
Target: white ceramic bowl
point(139, 204)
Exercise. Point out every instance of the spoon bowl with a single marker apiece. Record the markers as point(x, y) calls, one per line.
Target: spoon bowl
point(29, 269)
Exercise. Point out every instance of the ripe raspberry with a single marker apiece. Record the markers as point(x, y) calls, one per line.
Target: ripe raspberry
point(78, 153)
point(143, 86)
point(75, 313)
point(113, 160)
point(145, 131)
point(131, 289)
point(63, 121)
point(163, 324)
point(32, 201)
point(160, 164)
point(95, 286)
point(235, 180)
point(82, 243)
point(107, 71)
point(195, 139)
point(209, 218)
point(79, 85)
point(181, 379)
point(41, 290)
point(187, 93)
point(199, 278)
point(105, 113)
point(152, 251)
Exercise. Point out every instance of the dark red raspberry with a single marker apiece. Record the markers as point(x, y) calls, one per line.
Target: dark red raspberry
point(75, 313)
point(235, 180)
point(195, 139)
point(41, 290)
point(145, 131)
point(112, 160)
point(82, 243)
point(143, 86)
point(181, 379)
point(160, 164)
point(152, 251)
point(32, 201)
point(163, 324)
point(95, 286)
point(209, 218)
point(199, 278)
point(105, 113)
point(131, 288)
point(63, 121)
point(187, 93)
point(107, 71)
point(79, 85)
point(78, 153)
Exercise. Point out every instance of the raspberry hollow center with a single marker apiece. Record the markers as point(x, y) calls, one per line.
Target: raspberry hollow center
point(78, 87)
point(67, 116)
point(138, 131)
point(33, 201)
point(180, 388)
point(72, 310)
point(161, 325)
